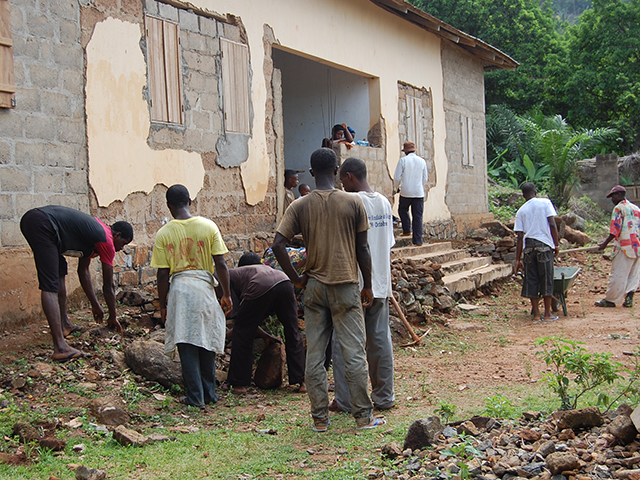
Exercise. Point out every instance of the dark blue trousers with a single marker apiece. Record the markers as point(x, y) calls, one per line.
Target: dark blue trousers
point(198, 374)
point(409, 225)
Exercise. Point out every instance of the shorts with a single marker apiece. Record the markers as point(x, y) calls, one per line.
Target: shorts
point(43, 240)
point(538, 270)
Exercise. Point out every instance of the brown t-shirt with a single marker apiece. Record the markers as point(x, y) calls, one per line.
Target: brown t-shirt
point(329, 221)
point(253, 281)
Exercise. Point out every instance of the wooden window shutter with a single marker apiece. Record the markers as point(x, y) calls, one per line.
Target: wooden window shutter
point(235, 86)
point(414, 122)
point(7, 80)
point(466, 127)
point(165, 84)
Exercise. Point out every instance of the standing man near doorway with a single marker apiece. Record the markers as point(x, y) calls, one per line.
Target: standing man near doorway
point(410, 180)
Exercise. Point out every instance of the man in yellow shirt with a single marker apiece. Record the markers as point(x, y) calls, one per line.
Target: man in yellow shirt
point(184, 253)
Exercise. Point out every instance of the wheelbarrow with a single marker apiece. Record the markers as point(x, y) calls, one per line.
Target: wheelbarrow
point(563, 278)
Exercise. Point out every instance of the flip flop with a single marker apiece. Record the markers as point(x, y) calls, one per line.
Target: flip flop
point(376, 422)
point(552, 319)
point(74, 330)
point(605, 303)
point(71, 356)
point(183, 401)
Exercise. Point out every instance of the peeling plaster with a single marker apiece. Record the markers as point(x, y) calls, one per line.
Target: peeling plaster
point(233, 149)
point(118, 122)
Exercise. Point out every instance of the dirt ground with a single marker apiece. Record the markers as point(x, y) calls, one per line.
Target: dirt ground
point(488, 351)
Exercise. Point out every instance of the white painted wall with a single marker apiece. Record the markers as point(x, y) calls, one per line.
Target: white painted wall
point(305, 90)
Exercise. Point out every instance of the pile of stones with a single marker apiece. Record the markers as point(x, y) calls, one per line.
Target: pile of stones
point(418, 287)
point(578, 444)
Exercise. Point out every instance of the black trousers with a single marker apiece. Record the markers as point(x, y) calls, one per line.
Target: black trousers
point(409, 224)
point(280, 301)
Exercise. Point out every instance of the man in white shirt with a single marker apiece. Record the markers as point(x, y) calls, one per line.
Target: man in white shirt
point(410, 180)
point(353, 175)
point(536, 230)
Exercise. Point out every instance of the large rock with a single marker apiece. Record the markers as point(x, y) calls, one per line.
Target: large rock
point(128, 437)
point(53, 443)
point(623, 429)
point(86, 473)
point(580, 418)
point(27, 433)
point(559, 462)
point(108, 412)
point(423, 433)
point(574, 221)
point(270, 369)
point(576, 237)
point(147, 358)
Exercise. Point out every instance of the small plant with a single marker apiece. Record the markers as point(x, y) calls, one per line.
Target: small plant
point(498, 406)
point(576, 371)
point(462, 451)
point(446, 410)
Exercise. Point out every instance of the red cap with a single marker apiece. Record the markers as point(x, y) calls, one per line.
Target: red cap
point(617, 189)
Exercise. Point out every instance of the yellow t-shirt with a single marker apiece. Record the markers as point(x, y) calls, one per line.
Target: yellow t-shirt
point(329, 221)
point(187, 245)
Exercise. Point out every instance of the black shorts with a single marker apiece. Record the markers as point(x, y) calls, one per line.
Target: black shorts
point(43, 240)
point(538, 270)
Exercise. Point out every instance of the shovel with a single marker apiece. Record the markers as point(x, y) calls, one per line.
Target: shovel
point(416, 338)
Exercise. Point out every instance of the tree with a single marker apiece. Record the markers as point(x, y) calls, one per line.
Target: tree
point(520, 28)
point(599, 83)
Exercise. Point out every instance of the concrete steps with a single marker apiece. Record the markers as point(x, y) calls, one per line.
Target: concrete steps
point(462, 273)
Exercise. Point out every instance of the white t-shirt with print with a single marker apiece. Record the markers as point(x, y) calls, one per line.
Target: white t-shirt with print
point(380, 238)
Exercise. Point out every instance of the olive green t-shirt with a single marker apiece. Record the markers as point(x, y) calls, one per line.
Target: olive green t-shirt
point(328, 221)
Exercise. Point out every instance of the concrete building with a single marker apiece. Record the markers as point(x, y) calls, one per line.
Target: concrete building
point(106, 103)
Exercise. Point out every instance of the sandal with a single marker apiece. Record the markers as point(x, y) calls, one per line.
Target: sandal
point(628, 301)
point(605, 303)
point(377, 422)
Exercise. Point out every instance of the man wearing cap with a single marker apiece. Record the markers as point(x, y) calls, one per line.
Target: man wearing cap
point(625, 267)
point(410, 180)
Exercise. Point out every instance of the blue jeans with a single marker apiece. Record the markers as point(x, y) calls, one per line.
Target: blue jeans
point(379, 358)
point(409, 225)
point(336, 306)
point(198, 374)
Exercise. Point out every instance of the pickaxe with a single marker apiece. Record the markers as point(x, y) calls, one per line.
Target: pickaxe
point(416, 338)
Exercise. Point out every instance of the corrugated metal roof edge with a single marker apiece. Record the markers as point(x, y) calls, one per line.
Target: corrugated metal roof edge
point(493, 58)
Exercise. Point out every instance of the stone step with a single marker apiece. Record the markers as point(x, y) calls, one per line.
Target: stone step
point(441, 256)
point(465, 264)
point(467, 281)
point(402, 251)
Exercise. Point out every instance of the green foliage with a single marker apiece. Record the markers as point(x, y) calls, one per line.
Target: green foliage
point(446, 410)
point(504, 202)
point(598, 83)
point(462, 451)
point(574, 371)
point(499, 407)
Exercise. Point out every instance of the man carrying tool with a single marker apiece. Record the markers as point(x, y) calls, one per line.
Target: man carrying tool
point(537, 231)
point(353, 175)
point(625, 266)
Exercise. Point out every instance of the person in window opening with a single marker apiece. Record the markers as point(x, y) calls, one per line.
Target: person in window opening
point(340, 133)
point(54, 232)
point(290, 182)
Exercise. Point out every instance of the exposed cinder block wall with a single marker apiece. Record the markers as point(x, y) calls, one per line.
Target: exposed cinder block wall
point(464, 96)
point(43, 156)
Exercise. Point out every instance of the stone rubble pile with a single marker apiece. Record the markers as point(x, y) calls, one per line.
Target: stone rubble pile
point(418, 287)
point(568, 445)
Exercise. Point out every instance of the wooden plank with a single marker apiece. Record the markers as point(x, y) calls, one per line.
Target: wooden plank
point(465, 140)
point(172, 71)
point(155, 58)
point(7, 79)
point(469, 146)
